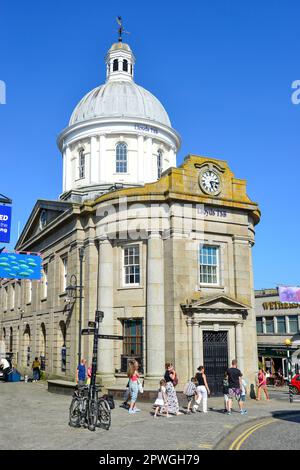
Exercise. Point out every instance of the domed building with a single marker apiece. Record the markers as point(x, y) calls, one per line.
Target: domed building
point(164, 251)
point(119, 134)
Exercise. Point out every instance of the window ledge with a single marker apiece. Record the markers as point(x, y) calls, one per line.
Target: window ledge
point(44, 299)
point(210, 286)
point(62, 294)
point(28, 303)
point(129, 287)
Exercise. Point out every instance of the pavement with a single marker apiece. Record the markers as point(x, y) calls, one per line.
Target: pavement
point(33, 418)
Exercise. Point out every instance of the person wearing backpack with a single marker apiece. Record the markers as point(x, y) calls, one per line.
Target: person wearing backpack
point(190, 391)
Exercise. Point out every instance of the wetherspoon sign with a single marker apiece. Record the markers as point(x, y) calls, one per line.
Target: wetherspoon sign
point(5, 222)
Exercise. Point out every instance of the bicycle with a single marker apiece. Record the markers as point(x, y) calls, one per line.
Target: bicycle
point(83, 409)
point(104, 413)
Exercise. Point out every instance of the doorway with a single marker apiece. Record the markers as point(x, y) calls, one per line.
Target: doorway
point(215, 354)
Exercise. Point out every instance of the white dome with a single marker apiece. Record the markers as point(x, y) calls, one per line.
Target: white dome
point(120, 99)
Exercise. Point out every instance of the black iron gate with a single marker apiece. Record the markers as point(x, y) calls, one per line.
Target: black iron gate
point(215, 354)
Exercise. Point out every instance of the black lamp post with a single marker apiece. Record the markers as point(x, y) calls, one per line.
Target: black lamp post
point(71, 290)
point(288, 343)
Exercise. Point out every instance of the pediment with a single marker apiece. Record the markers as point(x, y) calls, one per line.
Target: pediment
point(215, 303)
point(42, 215)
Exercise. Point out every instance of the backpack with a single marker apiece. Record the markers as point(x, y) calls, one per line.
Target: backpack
point(110, 401)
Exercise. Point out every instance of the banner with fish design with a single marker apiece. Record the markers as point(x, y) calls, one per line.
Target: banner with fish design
point(20, 266)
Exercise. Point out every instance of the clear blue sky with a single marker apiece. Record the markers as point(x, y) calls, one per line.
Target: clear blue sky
point(222, 68)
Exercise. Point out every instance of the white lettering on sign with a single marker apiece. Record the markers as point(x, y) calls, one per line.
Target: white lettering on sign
point(3, 217)
point(145, 128)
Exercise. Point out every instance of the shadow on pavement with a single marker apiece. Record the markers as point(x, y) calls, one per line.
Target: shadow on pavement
point(292, 416)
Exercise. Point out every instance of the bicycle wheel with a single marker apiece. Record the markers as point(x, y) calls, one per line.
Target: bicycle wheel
point(104, 414)
point(92, 414)
point(74, 413)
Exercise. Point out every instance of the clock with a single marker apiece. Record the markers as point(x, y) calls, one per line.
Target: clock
point(210, 182)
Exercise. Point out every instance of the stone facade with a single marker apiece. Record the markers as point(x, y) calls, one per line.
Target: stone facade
point(276, 322)
point(177, 311)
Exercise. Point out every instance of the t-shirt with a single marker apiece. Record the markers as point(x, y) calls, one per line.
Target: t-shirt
point(36, 364)
point(81, 372)
point(233, 377)
point(167, 377)
point(4, 363)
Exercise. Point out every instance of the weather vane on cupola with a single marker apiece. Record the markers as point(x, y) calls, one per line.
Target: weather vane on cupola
point(121, 29)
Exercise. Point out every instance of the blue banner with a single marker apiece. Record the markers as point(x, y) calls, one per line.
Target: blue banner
point(5, 221)
point(20, 266)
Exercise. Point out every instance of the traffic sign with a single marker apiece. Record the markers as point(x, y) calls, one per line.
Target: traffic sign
point(88, 331)
point(110, 337)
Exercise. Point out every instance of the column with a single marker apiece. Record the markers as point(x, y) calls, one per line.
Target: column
point(64, 170)
point(69, 176)
point(103, 175)
point(155, 315)
point(239, 346)
point(94, 161)
point(196, 346)
point(140, 160)
point(105, 293)
point(190, 347)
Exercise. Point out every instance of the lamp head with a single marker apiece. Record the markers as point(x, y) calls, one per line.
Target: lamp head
point(288, 342)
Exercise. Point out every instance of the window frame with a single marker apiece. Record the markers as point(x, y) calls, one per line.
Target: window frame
point(81, 167)
point(159, 163)
point(218, 265)
point(134, 284)
point(262, 326)
point(289, 322)
point(64, 272)
point(120, 161)
point(127, 345)
point(273, 322)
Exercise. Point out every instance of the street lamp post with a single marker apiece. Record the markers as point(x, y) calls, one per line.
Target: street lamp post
point(71, 290)
point(288, 343)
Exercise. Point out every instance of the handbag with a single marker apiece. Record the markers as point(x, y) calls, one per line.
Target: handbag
point(140, 385)
point(175, 380)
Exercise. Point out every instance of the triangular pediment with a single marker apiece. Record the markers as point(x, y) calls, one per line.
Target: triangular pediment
point(43, 214)
point(218, 302)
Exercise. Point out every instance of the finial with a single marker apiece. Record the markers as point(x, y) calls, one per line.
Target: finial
point(121, 29)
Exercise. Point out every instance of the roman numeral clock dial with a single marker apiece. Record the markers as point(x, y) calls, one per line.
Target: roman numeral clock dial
point(210, 182)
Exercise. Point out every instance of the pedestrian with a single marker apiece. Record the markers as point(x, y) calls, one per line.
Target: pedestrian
point(36, 369)
point(81, 373)
point(133, 377)
point(89, 375)
point(262, 384)
point(5, 366)
point(202, 388)
point(190, 391)
point(242, 398)
point(171, 382)
point(225, 391)
point(161, 402)
point(234, 385)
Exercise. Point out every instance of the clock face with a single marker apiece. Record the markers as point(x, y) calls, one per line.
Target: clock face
point(210, 182)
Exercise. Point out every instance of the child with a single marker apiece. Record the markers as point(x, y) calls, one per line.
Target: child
point(242, 397)
point(225, 391)
point(161, 402)
point(190, 390)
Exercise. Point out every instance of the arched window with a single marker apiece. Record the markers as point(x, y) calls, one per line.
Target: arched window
point(115, 65)
point(81, 166)
point(159, 163)
point(125, 65)
point(121, 158)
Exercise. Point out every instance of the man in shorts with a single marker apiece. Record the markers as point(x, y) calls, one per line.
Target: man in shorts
point(234, 386)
